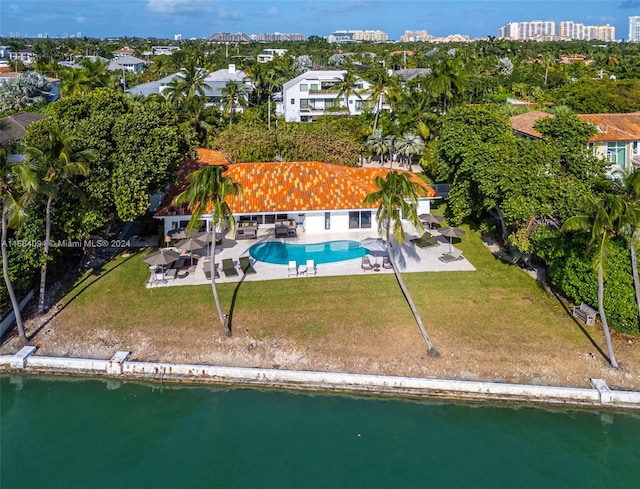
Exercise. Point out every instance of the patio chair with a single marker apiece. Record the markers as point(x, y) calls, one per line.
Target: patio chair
point(366, 264)
point(245, 265)
point(311, 267)
point(207, 270)
point(454, 255)
point(426, 240)
point(293, 268)
point(228, 268)
point(386, 263)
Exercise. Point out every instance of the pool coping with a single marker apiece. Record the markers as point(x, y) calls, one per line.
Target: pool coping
point(120, 367)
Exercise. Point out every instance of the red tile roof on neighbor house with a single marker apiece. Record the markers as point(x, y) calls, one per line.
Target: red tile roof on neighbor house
point(212, 157)
point(278, 187)
point(611, 127)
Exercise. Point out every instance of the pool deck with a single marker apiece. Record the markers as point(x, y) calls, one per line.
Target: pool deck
point(410, 259)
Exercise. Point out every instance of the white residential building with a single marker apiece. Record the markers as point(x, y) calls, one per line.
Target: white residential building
point(574, 30)
point(634, 28)
point(269, 54)
point(539, 30)
point(315, 93)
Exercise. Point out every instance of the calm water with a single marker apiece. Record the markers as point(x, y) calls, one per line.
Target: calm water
point(59, 433)
point(329, 252)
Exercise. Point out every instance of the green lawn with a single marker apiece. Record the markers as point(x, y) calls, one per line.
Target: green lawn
point(495, 318)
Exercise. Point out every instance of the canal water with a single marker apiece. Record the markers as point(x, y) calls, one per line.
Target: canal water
point(77, 433)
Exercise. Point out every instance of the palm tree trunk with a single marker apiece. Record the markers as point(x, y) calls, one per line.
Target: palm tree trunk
point(603, 318)
point(223, 318)
point(431, 351)
point(634, 270)
point(378, 103)
point(43, 268)
point(7, 281)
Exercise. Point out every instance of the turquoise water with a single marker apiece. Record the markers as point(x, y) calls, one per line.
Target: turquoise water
point(58, 433)
point(329, 252)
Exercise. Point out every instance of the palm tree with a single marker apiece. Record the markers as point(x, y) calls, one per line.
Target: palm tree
point(409, 144)
point(398, 197)
point(75, 82)
point(378, 144)
point(349, 85)
point(448, 80)
point(188, 84)
point(383, 87)
point(602, 217)
point(57, 161)
point(233, 95)
point(17, 185)
point(548, 60)
point(207, 193)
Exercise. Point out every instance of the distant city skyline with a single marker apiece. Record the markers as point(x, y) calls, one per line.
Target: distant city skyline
point(201, 18)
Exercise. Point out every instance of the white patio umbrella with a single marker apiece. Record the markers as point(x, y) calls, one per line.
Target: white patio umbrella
point(451, 232)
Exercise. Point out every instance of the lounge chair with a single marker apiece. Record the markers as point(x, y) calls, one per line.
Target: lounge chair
point(228, 268)
point(454, 255)
point(311, 267)
point(207, 270)
point(293, 268)
point(366, 264)
point(245, 265)
point(426, 240)
point(386, 263)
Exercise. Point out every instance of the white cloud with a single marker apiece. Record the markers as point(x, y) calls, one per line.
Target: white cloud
point(80, 19)
point(178, 6)
point(272, 11)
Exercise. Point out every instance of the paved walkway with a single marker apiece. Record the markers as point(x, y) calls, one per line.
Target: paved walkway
point(409, 259)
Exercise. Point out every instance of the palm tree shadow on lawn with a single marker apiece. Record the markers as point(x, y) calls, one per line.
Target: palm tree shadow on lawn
point(70, 284)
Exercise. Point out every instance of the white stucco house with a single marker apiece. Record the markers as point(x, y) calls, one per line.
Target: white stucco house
point(315, 93)
point(318, 197)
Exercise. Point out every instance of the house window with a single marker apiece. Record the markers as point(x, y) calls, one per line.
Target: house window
point(327, 221)
point(359, 104)
point(636, 148)
point(328, 103)
point(293, 101)
point(617, 153)
point(314, 87)
point(360, 220)
point(304, 103)
point(304, 87)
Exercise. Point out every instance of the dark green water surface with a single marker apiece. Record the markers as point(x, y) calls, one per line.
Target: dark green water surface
point(63, 433)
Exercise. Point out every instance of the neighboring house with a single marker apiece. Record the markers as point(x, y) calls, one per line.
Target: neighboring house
point(26, 56)
point(617, 139)
point(120, 53)
point(127, 63)
point(5, 51)
point(268, 55)
point(314, 93)
point(16, 125)
point(322, 197)
point(214, 85)
point(167, 50)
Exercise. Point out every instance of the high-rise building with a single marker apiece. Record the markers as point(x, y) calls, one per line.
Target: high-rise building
point(634, 28)
point(538, 30)
point(415, 36)
point(572, 30)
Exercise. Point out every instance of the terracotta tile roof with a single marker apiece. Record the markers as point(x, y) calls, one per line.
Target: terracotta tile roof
point(614, 127)
point(212, 157)
point(278, 187)
point(524, 123)
point(611, 127)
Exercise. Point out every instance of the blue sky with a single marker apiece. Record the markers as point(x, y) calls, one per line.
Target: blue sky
point(200, 18)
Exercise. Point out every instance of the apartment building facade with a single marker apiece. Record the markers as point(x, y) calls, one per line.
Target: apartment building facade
point(569, 30)
point(634, 28)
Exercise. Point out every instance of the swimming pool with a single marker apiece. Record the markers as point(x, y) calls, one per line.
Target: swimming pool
point(328, 252)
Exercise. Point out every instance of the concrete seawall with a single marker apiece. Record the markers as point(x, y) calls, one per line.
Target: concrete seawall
point(121, 367)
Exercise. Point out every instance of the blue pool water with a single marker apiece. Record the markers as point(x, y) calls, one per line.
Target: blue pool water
point(329, 252)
